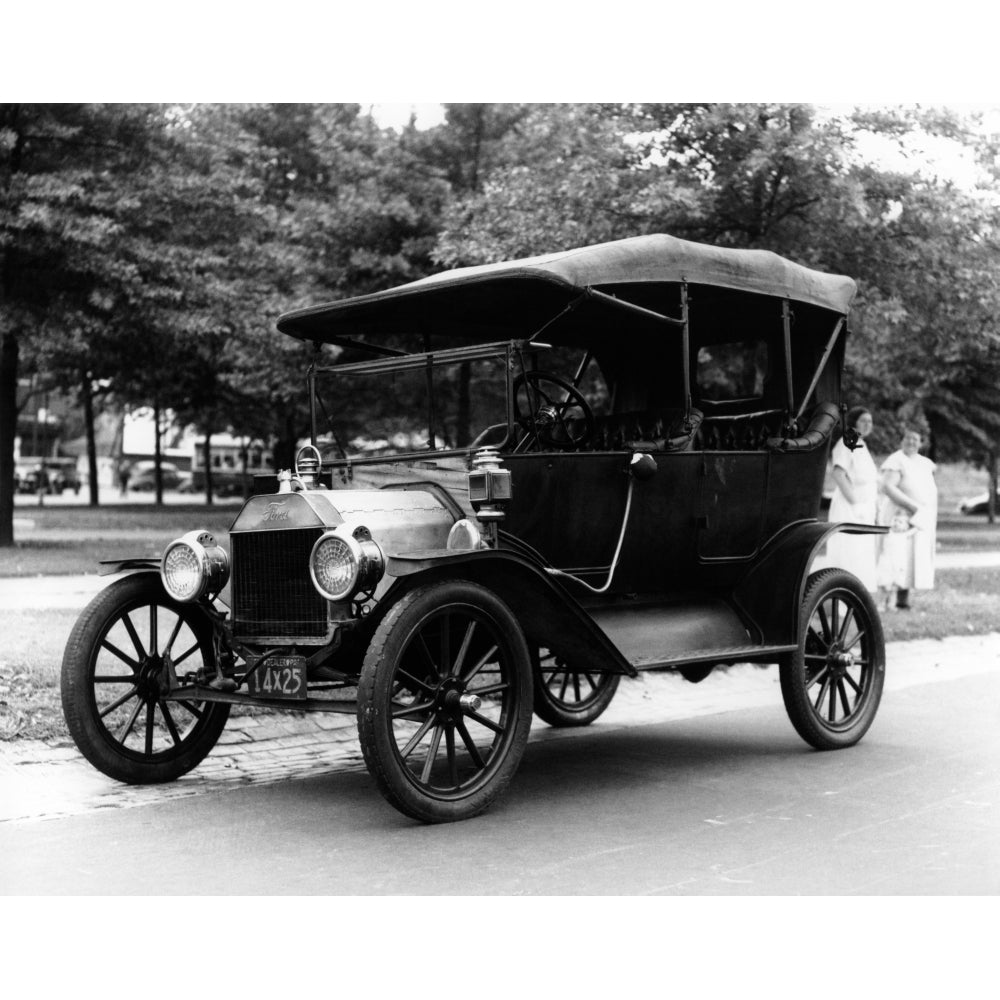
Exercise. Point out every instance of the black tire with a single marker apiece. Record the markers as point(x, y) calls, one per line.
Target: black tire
point(832, 684)
point(114, 676)
point(566, 697)
point(441, 648)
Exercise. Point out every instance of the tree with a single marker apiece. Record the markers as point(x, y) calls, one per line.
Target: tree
point(59, 197)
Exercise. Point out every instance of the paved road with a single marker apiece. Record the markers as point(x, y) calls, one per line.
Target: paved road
point(679, 789)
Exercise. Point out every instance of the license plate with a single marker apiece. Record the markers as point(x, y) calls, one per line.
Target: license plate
point(280, 677)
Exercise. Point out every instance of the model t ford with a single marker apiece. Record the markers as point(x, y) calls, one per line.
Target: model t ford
point(525, 481)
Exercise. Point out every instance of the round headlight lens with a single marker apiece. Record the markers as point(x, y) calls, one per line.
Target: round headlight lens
point(182, 572)
point(334, 567)
point(194, 566)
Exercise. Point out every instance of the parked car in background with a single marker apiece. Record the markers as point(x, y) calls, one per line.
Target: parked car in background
point(59, 474)
point(979, 504)
point(25, 473)
point(143, 476)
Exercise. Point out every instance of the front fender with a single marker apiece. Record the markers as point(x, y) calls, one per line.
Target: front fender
point(149, 564)
point(770, 593)
point(549, 615)
point(140, 564)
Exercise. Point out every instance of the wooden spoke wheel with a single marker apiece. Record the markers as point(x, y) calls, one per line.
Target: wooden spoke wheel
point(567, 697)
point(115, 676)
point(832, 683)
point(444, 701)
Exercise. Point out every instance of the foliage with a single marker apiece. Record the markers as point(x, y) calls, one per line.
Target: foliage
point(146, 251)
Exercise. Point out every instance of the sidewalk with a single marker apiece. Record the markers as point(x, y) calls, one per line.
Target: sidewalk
point(44, 781)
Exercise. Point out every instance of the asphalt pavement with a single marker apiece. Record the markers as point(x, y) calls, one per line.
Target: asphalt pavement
point(728, 803)
point(40, 780)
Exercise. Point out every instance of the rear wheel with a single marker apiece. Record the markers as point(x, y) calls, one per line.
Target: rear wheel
point(116, 675)
point(832, 684)
point(444, 701)
point(568, 697)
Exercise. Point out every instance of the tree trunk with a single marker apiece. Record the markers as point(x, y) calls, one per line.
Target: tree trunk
point(9, 351)
point(9, 348)
point(208, 467)
point(87, 398)
point(284, 447)
point(244, 474)
point(157, 455)
point(991, 508)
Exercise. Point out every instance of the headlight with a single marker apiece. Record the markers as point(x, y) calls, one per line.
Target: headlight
point(194, 566)
point(344, 563)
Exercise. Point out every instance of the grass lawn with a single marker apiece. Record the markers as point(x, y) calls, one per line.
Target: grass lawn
point(73, 539)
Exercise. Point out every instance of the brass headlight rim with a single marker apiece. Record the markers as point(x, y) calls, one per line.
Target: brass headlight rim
point(366, 563)
point(207, 566)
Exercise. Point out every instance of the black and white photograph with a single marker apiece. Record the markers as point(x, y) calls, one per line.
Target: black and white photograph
point(502, 502)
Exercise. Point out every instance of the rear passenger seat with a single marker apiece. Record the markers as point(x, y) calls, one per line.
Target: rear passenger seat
point(765, 430)
point(740, 432)
point(645, 431)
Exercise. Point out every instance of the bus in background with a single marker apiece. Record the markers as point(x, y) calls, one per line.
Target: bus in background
point(235, 461)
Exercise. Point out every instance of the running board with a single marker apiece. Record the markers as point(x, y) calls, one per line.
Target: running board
point(659, 636)
point(730, 654)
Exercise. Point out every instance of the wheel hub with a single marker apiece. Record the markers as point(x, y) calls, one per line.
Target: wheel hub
point(149, 678)
point(451, 701)
point(840, 662)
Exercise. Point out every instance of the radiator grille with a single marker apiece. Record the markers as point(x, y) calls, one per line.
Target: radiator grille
point(273, 595)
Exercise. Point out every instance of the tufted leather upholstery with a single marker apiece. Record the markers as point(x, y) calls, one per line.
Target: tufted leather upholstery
point(745, 432)
point(644, 431)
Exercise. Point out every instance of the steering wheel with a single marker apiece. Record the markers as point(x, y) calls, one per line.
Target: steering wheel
point(562, 424)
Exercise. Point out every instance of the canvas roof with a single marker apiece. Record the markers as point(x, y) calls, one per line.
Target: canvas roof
point(517, 297)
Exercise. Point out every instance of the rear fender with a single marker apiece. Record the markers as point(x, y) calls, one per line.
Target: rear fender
point(770, 593)
point(549, 616)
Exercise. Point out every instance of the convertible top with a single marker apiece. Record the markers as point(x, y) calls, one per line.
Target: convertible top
point(518, 297)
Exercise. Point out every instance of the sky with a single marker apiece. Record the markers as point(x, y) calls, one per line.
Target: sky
point(935, 154)
point(397, 115)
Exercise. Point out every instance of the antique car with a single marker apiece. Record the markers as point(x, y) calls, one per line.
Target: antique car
point(524, 482)
point(142, 476)
point(57, 475)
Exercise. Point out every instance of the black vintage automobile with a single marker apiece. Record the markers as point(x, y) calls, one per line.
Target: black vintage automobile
point(525, 481)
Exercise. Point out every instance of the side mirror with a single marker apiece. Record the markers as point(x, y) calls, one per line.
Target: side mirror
point(851, 438)
point(642, 466)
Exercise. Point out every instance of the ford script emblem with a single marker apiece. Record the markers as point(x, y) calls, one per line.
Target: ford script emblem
point(275, 512)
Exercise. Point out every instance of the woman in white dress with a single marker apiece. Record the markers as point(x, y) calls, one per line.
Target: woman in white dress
point(855, 499)
point(908, 484)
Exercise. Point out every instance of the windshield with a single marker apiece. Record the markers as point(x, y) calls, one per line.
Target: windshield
point(439, 407)
point(420, 403)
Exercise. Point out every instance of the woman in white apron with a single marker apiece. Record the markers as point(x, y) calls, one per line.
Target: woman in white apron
point(855, 499)
point(908, 484)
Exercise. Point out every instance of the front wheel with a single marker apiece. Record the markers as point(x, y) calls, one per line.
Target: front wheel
point(832, 684)
point(116, 676)
point(444, 701)
point(568, 697)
